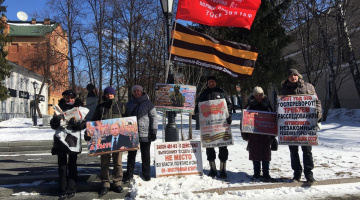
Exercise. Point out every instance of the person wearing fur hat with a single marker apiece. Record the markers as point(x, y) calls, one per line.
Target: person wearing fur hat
point(213, 92)
point(109, 109)
point(259, 145)
point(293, 85)
point(67, 148)
point(140, 106)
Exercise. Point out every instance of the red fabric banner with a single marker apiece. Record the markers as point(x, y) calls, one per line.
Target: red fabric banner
point(235, 13)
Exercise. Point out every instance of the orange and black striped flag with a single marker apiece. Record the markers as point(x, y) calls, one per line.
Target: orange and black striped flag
point(194, 48)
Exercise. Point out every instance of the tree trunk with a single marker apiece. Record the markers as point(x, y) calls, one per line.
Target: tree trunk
point(354, 70)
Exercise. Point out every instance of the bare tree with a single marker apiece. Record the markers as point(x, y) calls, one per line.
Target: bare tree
point(69, 14)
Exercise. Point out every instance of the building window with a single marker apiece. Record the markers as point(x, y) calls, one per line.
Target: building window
point(21, 110)
point(21, 84)
point(26, 107)
point(12, 107)
point(14, 48)
point(3, 106)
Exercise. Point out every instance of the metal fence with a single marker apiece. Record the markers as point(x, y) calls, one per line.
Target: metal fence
point(6, 116)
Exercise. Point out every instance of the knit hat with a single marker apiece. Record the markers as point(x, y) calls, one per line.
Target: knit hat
point(69, 92)
point(211, 78)
point(294, 71)
point(109, 90)
point(137, 87)
point(258, 90)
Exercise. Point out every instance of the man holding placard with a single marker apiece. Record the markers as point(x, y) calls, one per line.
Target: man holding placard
point(295, 85)
point(212, 92)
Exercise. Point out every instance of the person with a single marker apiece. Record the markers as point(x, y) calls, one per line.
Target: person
point(117, 138)
point(293, 85)
point(213, 92)
point(259, 145)
point(177, 99)
point(141, 107)
point(67, 169)
point(109, 109)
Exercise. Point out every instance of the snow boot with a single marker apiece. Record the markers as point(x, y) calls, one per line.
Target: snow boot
point(213, 171)
point(223, 170)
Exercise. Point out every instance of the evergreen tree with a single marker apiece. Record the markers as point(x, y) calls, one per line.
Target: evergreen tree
point(269, 36)
point(4, 67)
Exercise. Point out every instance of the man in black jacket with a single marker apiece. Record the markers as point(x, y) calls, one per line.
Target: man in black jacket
point(109, 109)
point(211, 93)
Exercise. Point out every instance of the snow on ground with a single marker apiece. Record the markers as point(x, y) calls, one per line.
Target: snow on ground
point(336, 156)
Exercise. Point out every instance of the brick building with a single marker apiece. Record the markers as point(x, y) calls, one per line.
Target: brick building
point(42, 48)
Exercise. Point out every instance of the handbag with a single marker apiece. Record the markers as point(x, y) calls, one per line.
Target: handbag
point(274, 144)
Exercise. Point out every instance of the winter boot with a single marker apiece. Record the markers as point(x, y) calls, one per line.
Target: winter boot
point(223, 170)
point(266, 175)
point(213, 171)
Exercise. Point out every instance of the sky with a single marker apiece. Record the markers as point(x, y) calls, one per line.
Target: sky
point(336, 157)
point(27, 6)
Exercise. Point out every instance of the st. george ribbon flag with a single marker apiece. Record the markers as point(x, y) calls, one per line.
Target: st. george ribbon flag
point(235, 13)
point(194, 48)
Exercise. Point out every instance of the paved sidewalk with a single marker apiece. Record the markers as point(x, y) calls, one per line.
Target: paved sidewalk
point(28, 166)
point(32, 169)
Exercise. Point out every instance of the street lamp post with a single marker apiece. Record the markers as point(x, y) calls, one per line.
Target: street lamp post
point(171, 130)
point(35, 84)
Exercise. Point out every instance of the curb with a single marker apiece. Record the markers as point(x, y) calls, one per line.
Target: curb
point(24, 146)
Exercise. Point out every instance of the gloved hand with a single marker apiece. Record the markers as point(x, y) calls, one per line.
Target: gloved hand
point(71, 124)
point(153, 134)
point(193, 116)
point(86, 136)
point(55, 121)
point(319, 117)
point(76, 125)
point(229, 120)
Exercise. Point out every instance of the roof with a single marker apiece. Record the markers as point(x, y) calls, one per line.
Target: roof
point(28, 29)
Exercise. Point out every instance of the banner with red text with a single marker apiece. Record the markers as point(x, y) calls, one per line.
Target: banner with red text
point(178, 158)
point(259, 122)
point(215, 131)
point(112, 135)
point(297, 120)
point(235, 13)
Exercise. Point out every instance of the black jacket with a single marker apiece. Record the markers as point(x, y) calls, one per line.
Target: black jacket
point(102, 110)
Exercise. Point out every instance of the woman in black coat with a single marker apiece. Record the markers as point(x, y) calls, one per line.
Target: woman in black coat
point(67, 181)
point(259, 145)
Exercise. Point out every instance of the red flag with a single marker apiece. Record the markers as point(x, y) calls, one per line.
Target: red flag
point(235, 13)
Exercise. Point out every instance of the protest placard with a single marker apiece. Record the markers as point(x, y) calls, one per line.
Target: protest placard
point(178, 158)
point(297, 120)
point(172, 97)
point(259, 122)
point(112, 135)
point(214, 129)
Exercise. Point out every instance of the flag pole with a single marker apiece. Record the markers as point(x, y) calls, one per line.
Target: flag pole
point(170, 49)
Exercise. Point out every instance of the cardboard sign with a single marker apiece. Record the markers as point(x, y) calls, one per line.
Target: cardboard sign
point(178, 158)
point(297, 120)
point(112, 135)
point(215, 131)
point(172, 97)
point(259, 122)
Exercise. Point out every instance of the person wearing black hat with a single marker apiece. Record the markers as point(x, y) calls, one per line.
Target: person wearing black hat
point(213, 92)
point(67, 181)
point(293, 85)
point(109, 109)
